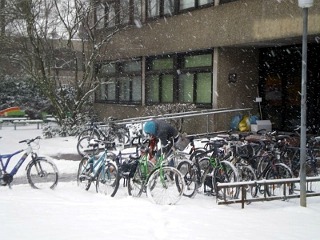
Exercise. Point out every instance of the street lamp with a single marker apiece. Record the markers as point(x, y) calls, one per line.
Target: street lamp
point(304, 4)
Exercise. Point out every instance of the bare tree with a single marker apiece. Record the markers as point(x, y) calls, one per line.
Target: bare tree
point(56, 44)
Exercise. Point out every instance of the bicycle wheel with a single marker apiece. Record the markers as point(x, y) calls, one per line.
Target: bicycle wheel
point(136, 184)
point(42, 173)
point(90, 132)
point(83, 175)
point(190, 173)
point(165, 186)
point(279, 171)
point(197, 154)
point(246, 174)
point(108, 180)
point(226, 172)
point(84, 147)
point(123, 135)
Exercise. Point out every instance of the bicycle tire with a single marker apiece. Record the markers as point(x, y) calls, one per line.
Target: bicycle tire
point(137, 183)
point(124, 135)
point(165, 186)
point(197, 154)
point(225, 173)
point(108, 180)
point(83, 174)
point(42, 173)
point(278, 171)
point(84, 148)
point(190, 175)
point(205, 168)
point(247, 173)
point(91, 133)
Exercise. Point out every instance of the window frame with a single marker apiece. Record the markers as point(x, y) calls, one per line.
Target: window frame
point(176, 8)
point(118, 75)
point(134, 9)
point(177, 70)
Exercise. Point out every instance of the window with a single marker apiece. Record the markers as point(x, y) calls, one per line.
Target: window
point(195, 80)
point(183, 78)
point(153, 8)
point(160, 8)
point(109, 13)
point(168, 7)
point(160, 80)
point(105, 14)
point(185, 4)
point(120, 82)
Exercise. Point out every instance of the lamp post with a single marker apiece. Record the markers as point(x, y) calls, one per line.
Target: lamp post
point(305, 5)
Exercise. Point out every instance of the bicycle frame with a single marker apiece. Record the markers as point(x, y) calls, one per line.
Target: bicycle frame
point(6, 158)
point(96, 164)
point(143, 164)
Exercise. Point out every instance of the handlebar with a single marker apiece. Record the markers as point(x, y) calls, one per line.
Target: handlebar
point(28, 141)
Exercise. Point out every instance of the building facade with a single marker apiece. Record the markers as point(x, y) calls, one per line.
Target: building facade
point(214, 54)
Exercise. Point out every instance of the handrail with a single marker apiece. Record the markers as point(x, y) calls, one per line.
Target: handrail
point(179, 115)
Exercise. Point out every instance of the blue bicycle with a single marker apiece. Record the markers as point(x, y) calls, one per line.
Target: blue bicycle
point(99, 169)
point(41, 172)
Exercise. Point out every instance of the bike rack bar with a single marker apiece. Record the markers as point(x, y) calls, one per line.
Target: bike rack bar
point(243, 185)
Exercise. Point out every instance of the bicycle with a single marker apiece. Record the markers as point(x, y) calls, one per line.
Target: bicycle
point(267, 163)
point(290, 154)
point(208, 171)
point(99, 169)
point(41, 172)
point(111, 133)
point(163, 185)
point(238, 153)
point(137, 180)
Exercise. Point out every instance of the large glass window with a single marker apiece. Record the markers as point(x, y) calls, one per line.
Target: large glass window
point(183, 78)
point(153, 89)
point(120, 82)
point(204, 87)
point(109, 13)
point(161, 8)
point(185, 4)
point(153, 7)
point(168, 8)
point(186, 87)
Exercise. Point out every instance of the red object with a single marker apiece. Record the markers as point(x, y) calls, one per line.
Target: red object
point(152, 146)
point(7, 110)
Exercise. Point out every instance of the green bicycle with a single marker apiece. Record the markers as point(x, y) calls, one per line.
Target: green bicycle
point(208, 171)
point(162, 183)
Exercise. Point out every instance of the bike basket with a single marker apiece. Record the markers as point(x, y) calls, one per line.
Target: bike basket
point(130, 167)
point(245, 151)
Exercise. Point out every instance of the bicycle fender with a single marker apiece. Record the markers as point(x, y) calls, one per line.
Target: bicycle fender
point(285, 166)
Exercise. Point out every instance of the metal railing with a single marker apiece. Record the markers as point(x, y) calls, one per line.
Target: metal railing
point(141, 120)
point(285, 194)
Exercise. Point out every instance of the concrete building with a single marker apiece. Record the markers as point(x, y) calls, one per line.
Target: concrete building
point(215, 54)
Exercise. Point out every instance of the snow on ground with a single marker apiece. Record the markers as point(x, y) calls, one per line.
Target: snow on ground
point(69, 212)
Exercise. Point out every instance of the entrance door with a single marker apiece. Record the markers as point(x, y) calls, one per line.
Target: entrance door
point(280, 85)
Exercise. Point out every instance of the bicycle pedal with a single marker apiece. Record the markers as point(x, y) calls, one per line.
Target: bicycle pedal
point(86, 177)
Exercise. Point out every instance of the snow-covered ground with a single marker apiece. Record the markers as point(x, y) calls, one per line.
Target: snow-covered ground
point(69, 212)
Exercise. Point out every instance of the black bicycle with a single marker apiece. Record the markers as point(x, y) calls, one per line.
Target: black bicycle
point(110, 132)
point(208, 169)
